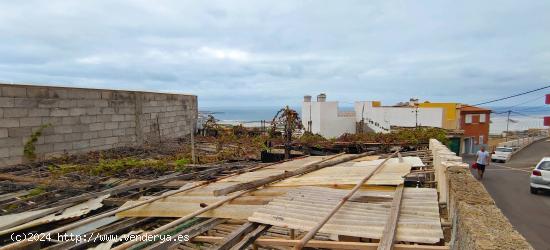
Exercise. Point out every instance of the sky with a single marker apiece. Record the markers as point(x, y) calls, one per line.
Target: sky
point(271, 53)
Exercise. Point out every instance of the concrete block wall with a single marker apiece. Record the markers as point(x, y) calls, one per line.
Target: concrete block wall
point(476, 221)
point(88, 119)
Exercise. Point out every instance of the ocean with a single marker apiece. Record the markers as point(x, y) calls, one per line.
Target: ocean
point(529, 117)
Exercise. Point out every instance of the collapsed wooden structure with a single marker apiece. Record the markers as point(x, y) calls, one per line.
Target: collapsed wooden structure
point(363, 199)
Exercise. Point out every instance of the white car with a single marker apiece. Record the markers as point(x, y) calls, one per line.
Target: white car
point(502, 154)
point(540, 177)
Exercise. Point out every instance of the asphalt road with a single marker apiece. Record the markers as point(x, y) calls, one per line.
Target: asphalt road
point(508, 184)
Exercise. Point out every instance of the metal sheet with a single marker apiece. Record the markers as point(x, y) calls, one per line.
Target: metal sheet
point(302, 209)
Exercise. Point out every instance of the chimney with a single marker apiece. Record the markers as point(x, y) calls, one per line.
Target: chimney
point(307, 98)
point(321, 97)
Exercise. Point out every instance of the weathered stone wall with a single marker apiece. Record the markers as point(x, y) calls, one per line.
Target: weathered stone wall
point(82, 120)
point(477, 223)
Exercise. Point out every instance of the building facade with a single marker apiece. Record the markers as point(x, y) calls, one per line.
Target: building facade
point(475, 122)
point(325, 118)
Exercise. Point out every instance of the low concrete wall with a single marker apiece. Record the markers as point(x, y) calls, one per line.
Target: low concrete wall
point(82, 120)
point(477, 223)
point(521, 143)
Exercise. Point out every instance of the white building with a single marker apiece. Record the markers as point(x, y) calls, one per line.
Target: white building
point(326, 119)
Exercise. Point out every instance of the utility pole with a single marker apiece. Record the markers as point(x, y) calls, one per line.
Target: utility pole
point(415, 116)
point(193, 122)
point(508, 124)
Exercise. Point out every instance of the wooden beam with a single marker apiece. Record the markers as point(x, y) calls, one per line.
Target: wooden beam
point(306, 169)
point(388, 235)
point(179, 221)
point(322, 244)
point(190, 232)
point(251, 237)
point(315, 229)
point(235, 237)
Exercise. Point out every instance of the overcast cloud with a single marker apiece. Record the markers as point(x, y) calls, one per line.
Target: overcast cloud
point(242, 53)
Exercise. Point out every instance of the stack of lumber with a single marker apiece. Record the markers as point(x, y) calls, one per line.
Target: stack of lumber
point(298, 202)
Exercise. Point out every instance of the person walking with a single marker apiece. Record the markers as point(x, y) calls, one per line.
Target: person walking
point(483, 159)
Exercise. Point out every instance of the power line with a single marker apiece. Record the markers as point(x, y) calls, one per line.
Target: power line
point(528, 101)
point(512, 96)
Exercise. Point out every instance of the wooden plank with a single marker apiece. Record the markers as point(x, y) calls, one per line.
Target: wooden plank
point(235, 237)
point(179, 221)
point(323, 244)
point(187, 232)
point(251, 237)
point(388, 235)
point(260, 182)
point(178, 209)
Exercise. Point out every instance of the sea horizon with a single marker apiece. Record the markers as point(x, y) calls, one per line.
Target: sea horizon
point(531, 116)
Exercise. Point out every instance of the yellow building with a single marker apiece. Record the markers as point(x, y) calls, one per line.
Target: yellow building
point(451, 113)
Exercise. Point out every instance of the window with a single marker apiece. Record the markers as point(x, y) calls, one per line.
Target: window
point(545, 165)
point(482, 118)
point(506, 150)
point(469, 118)
point(481, 139)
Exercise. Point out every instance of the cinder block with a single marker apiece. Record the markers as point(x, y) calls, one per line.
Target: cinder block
point(9, 142)
point(97, 142)
point(77, 111)
point(130, 131)
point(15, 112)
point(72, 137)
point(105, 133)
point(89, 135)
point(63, 146)
point(119, 132)
point(88, 94)
point(11, 161)
point(93, 103)
point(16, 151)
point(111, 140)
point(106, 94)
point(93, 111)
point(129, 117)
point(117, 118)
point(52, 120)
point(4, 152)
point(3, 132)
point(53, 138)
point(88, 119)
point(25, 102)
point(126, 124)
point(126, 111)
point(63, 129)
point(59, 112)
point(14, 91)
point(58, 93)
point(70, 120)
point(111, 125)
point(19, 132)
point(81, 144)
point(97, 126)
point(36, 112)
point(9, 123)
point(47, 103)
point(45, 148)
point(37, 92)
point(30, 121)
point(66, 103)
point(108, 111)
point(104, 118)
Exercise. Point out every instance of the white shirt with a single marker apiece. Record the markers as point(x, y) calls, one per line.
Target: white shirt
point(482, 157)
